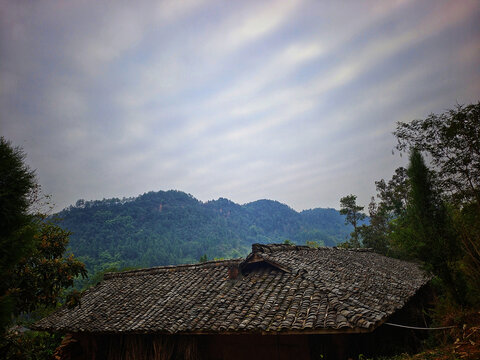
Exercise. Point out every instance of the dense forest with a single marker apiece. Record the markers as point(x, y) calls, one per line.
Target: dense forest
point(172, 227)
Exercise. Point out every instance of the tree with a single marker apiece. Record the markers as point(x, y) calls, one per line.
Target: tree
point(394, 194)
point(375, 234)
point(425, 232)
point(349, 208)
point(33, 270)
point(393, 198)
point(17, 229)
point(452, 141)
point(467, 223)
point(40, 279)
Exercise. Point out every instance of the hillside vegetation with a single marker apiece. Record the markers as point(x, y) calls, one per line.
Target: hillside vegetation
point(172, 227)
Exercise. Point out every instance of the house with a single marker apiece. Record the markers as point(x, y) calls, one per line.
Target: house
point(281, 302)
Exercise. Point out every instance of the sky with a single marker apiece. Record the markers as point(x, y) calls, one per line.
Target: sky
point(293, 101)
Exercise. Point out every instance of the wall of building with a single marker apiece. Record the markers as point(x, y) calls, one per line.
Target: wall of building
point(280, 347)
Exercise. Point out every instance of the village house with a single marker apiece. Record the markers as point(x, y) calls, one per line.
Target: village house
point(281, 302)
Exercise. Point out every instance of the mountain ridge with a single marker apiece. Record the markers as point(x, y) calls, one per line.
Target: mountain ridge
point(173, 227)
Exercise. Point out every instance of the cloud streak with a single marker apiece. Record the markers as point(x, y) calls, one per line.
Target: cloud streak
point(289, 100)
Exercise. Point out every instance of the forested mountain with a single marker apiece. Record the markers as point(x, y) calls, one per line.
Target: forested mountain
point(172, 227)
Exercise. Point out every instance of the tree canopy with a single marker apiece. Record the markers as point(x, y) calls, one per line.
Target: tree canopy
point(40, 279)
point(34, 271)
point(17, 228)
point(426, 232)
point(452, 141)
point(353, 215)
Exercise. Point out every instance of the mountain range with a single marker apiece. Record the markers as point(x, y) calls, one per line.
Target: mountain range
point(172, 227)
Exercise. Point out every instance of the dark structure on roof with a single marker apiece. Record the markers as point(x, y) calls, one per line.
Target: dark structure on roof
point(281, 296)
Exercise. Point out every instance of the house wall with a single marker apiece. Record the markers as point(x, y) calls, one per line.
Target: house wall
point(277, 347)
point(211, 347)
point(233, 347)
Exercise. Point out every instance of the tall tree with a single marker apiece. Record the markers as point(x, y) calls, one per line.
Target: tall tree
point(17, 229)
point(353, 215)
point(452, 142)
point(34, 271)
point(426, 232)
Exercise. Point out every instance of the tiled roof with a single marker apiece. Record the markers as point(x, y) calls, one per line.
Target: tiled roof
point(279, 288)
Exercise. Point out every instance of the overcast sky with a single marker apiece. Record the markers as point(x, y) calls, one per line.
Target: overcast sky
point(293, 101)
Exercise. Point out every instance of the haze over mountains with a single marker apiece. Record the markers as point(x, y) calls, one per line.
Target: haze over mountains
point(172, 227)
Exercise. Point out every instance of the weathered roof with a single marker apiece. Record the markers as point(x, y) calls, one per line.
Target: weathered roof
point(280, 288)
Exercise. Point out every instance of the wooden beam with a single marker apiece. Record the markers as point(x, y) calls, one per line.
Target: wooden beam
point(263, 333)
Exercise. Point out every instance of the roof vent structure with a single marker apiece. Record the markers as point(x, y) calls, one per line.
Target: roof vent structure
point(233, 272)
point(261, 254)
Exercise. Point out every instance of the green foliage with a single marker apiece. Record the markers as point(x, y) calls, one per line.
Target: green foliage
point(39, 279)
point(33, 271)
point(353, 215)
point(17, 185)
point(37, 286)
point(415, 228)
point(452, 142)
point(393, 197)
point(467, 224)
point(433, 216)
point(28, 345)
point(426, 231)
point(203, 258)
point(374, 235)
point(171, 227)
point(313, 244)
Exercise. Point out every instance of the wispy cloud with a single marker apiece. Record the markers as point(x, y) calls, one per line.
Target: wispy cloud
point(292, 100)
point(252, 25)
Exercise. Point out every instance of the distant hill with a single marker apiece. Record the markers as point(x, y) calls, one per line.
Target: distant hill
point(172, 227)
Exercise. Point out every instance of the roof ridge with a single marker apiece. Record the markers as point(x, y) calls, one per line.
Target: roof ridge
point(256, 248)
point(263, 248)
point(358, 249)
point(269, 248)
point(165, 268)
